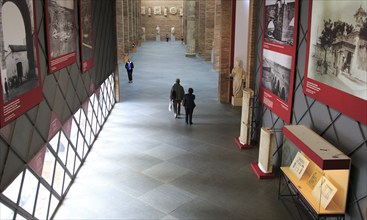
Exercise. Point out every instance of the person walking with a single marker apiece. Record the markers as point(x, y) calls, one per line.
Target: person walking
point(189, 103)
point(176, 96)
point(129, 65)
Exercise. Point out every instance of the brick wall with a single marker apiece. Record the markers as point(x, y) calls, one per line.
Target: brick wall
point(209, 29)
point(225, 51)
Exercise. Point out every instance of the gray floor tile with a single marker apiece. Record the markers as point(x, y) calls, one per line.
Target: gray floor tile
point(200, 209)
point(165, 172)
point(166, 198)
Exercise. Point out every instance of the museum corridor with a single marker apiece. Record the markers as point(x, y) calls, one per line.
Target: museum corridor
point(146, 164)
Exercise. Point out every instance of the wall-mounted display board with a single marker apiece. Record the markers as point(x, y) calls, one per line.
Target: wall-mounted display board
point(314, 171)
point(336, 61)
point(86, 33)
point(279, 56)
point(60, 31)
point(20, 87)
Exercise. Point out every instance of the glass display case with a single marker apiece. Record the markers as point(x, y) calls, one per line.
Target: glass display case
point(314, 171)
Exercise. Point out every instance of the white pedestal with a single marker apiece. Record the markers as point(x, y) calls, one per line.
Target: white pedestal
point(157, 38)
point(173, 38)
point(246, 117)
point(236, 101)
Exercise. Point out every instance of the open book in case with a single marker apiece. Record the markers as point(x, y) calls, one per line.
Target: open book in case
point(315, 171)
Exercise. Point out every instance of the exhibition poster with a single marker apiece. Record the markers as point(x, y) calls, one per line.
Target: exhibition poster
point(60, 28)
point(86, 33)
point(279, 56)
point(20, 87)
point(336, 60)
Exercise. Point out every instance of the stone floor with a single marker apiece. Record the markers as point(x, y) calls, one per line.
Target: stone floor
point(146, 164)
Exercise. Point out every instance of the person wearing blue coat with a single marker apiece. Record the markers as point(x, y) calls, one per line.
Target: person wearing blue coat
point(189, 104)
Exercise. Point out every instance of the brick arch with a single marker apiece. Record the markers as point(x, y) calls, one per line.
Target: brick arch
point(23, 9)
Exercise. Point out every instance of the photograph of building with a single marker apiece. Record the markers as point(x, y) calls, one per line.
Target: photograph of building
point(338, 50)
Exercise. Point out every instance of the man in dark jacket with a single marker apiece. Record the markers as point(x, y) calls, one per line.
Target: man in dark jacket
point(176, 96)
point(189, 103)
point(129, 68)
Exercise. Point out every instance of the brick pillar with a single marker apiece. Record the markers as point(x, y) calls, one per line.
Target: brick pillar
point(225, 55)
point(139, 23)
point(119, 29)
point(131, 23)
point(209, 29)
point(125, 17)
point(252, 43)
point(217, 34)
point(201, 26)
point(191, 29)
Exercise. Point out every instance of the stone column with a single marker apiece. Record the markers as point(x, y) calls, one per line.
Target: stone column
point(191, 29)
point(120, 29)
point(217, 35)
point(126, 22)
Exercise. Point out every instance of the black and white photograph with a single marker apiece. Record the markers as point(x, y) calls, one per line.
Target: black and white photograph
point(338, 46)
point(60, 21)
point(86, 34)
point(276, 71)
point(61, 26)
point(19, 71)
point(279, 21)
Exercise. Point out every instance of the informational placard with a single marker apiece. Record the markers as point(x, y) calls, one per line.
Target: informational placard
point(279, 56)
point(20, 87)
point(299, 165)
point(60, 28)
point(336, 61)
point(86, 34)
point(324, 192)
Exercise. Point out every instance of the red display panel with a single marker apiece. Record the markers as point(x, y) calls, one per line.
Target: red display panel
point(86, 34)
point(336, 61)
point(279, 56)
point(60, 31)
point(20, 87)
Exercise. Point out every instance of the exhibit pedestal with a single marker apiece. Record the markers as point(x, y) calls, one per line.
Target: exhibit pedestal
point(260, 174)
point(244, 141)
point(236, 101)
point(157, 38)
point(241, 145)
point(173, 38)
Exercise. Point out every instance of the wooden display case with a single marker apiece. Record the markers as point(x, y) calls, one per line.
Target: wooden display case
point(315, 171)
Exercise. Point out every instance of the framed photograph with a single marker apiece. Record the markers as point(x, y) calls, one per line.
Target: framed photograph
point(299, 165)
point(279, 21)
point(336, 60)
point(86, 35)
point(60, 31)
point(278, 56)
point(20, 87)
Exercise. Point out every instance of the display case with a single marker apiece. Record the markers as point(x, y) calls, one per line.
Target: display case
point(314, 171)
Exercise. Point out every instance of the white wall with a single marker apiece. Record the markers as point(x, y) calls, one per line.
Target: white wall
point(241, 30)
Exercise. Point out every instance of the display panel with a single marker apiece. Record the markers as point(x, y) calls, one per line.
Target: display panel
point(278, 56)
point(86, 33)
point(336, 61)
point(20, 87)
point(60, 28)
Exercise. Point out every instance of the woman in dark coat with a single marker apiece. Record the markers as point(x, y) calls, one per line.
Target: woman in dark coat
point(189, 103)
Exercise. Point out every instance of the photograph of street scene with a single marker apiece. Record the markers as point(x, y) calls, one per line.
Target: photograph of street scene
point(19, 69)
point(61, 27)
point(276, 71)
point(338, 46)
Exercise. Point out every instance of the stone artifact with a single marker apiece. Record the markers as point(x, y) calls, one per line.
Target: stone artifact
point(237, 74)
